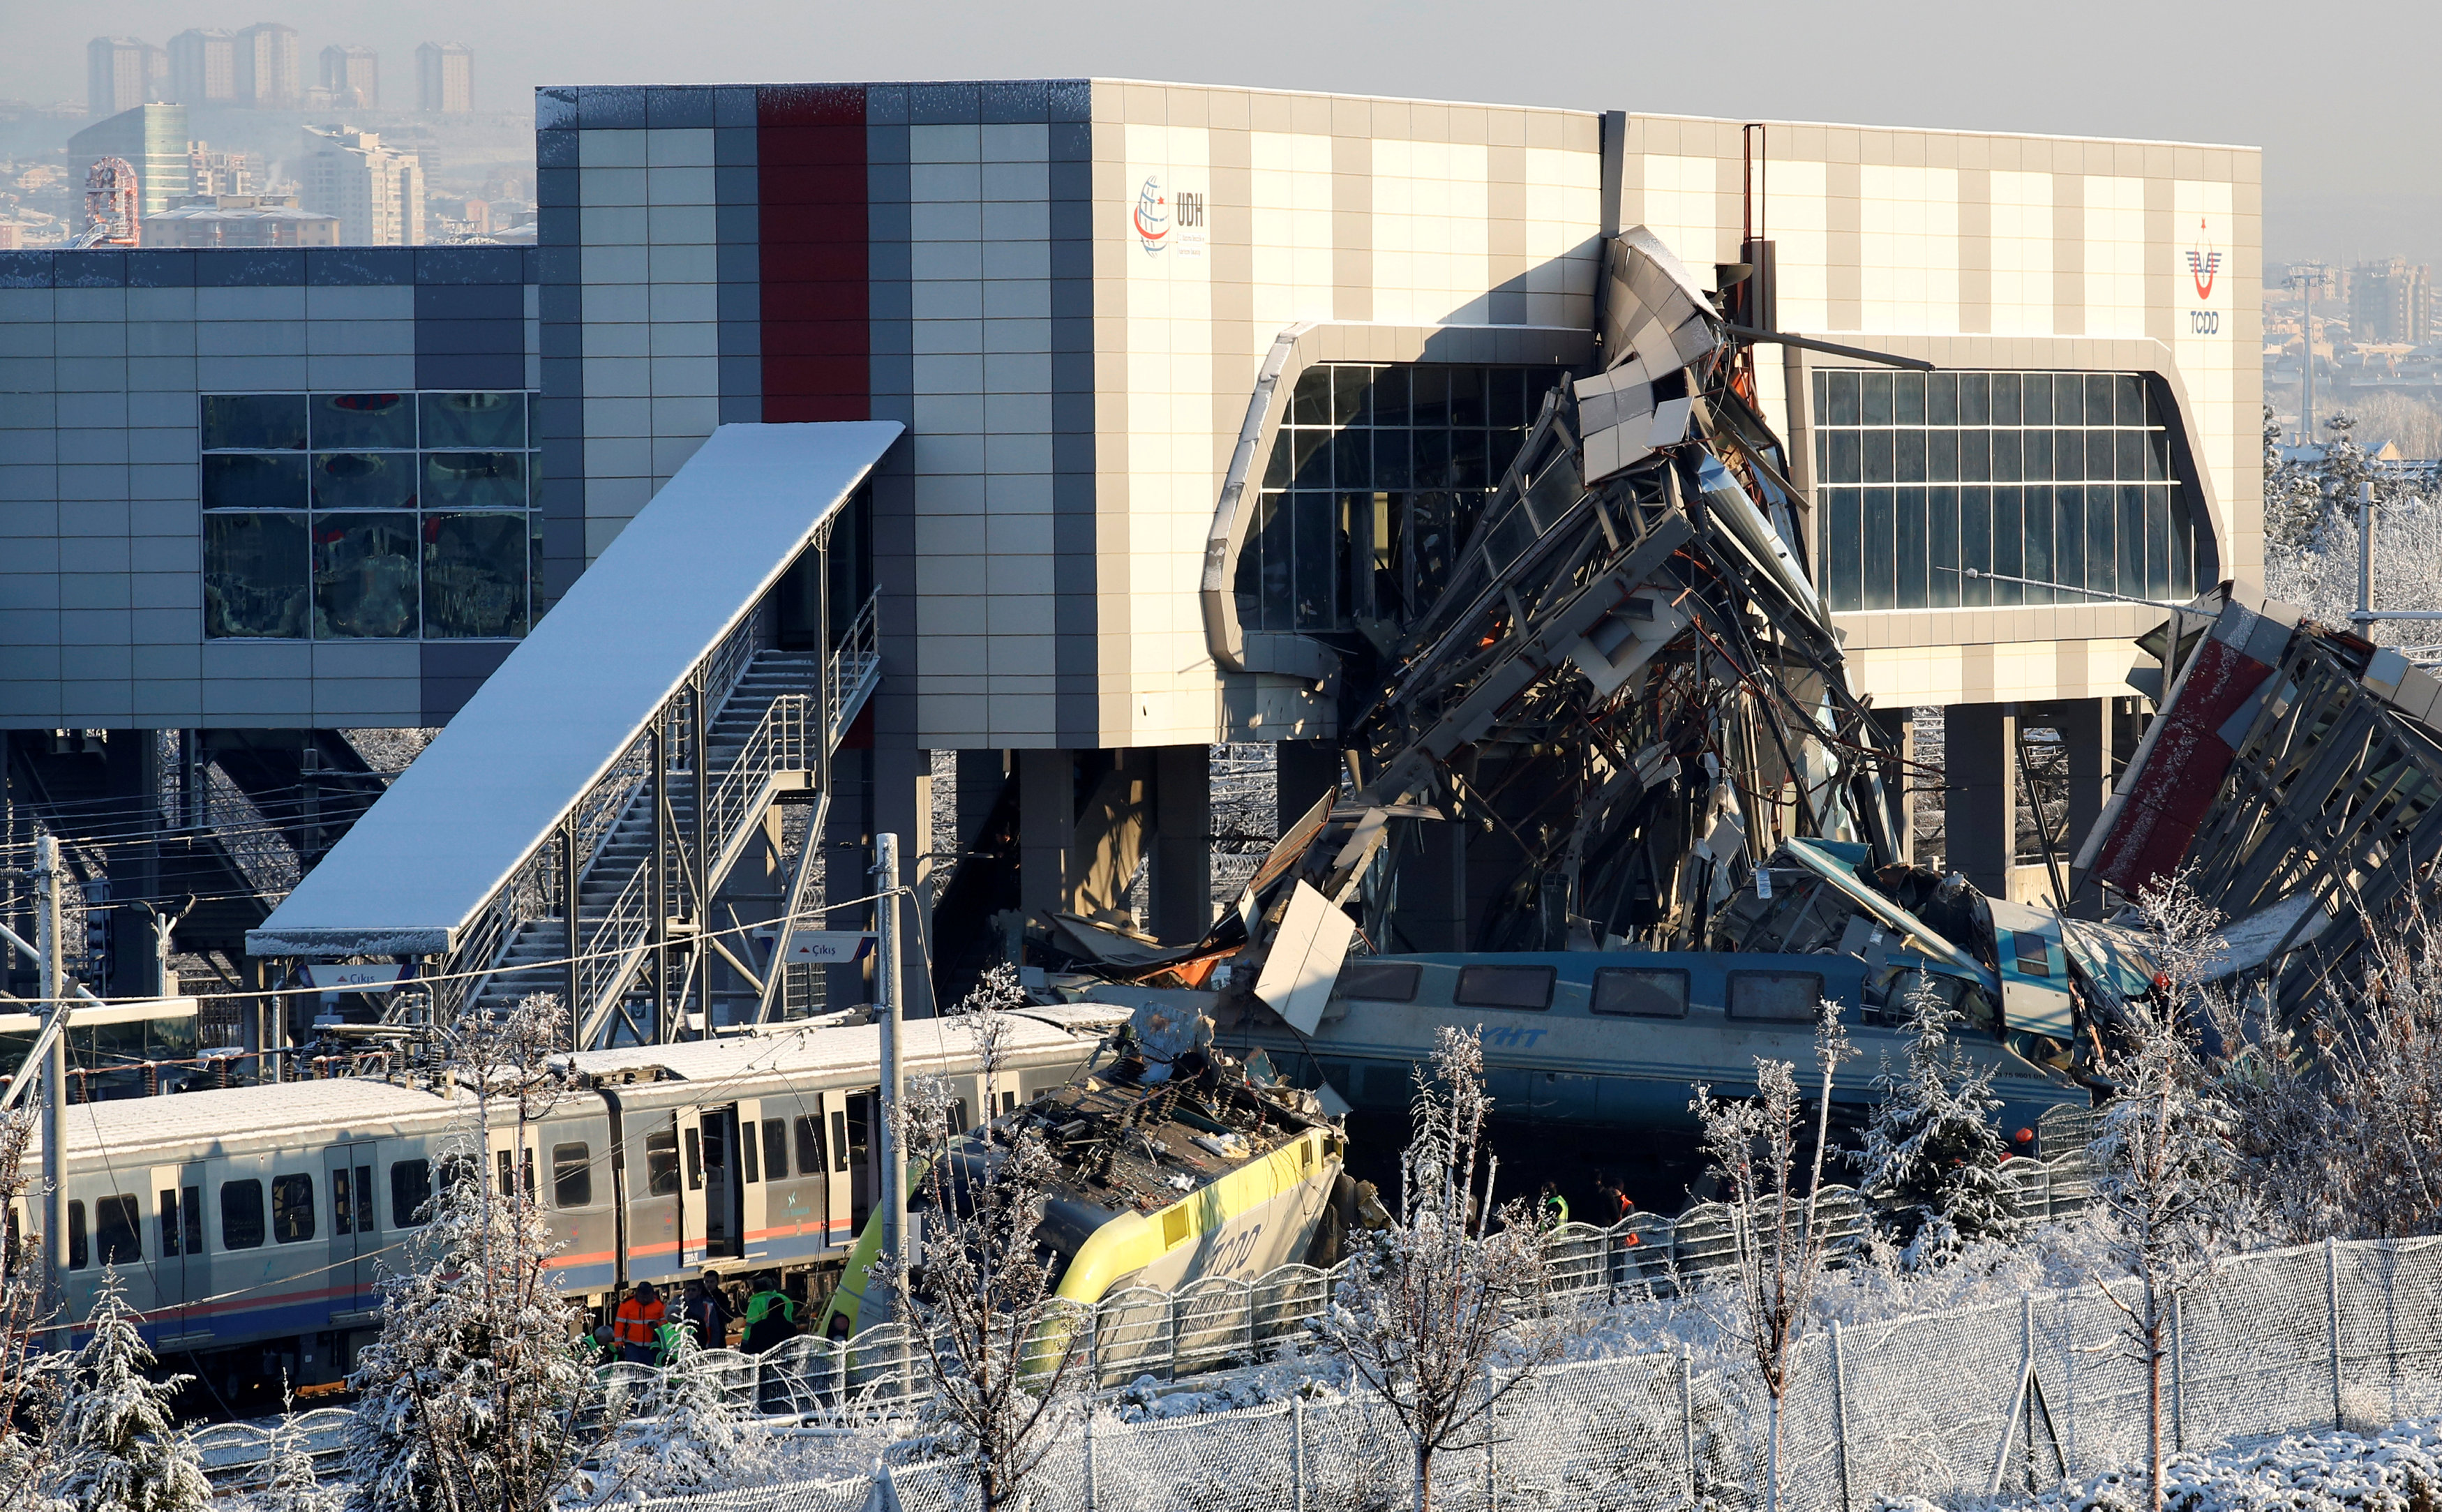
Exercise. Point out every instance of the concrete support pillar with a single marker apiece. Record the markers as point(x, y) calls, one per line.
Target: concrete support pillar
point(1046, 830)
point(131, 765)
point(1305, 770)
point(848, 859)
point(1898, 726)
point(902, 805)
point(2084, 727)
point(1182, 843)
point(1981, 797)
point(981, 775)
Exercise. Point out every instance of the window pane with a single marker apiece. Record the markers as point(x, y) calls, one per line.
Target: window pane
point(1467, 397)
point(364, 420)
point(79, 1256)
point(1907, 398)
point(1908, 456)
point(1847, 463)
point(1316, 609)
point(662, 1161)
point(1941, 547)
point(2038, 562)
point(1843, 409)
point(2069, 399)
point(1975, 399)
point(1379, 982)
point(411, 1188)
point(363, 479)
point(809, 1144)
point(2035, 402)
point(1641, 993)
point(342, 1215)
point(1941, 398)
point(1390, 397)
point(364, 576)
point(1349, 383)
point(2008, 546)
point(571, 1176)
point(241, 1214)
point(1310, 401)
point(776, 1150)
point(1788, 997)
point(1526, 986)
point(254, 483)
point(1911, 548)
point(1506, 402)
point(2098, 398)
point(1878, 456)
point(169, 1229)
point(365, 1199)
point(1874, 392)
point(1353, 460)
point(2037, 463)
point(254, 422)
point(1841, 539)
point(292, 1209)
point(1878, 552)
point(475, 480)
point(1976, 545)
point(2069, 565)
point(475, 574)
point(2005, 398)
point(255, 571)
point(118, 1228)
point(474, 420)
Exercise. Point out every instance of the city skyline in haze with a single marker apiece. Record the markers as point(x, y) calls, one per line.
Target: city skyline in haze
point(2344, 177)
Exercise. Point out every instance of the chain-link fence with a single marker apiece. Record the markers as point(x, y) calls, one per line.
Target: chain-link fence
point(1951, 1406)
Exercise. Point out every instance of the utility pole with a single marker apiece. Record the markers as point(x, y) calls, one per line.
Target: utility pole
point(894, 1073)
point(55, 1064)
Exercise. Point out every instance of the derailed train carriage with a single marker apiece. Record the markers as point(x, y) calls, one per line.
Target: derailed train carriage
point(250, 1226)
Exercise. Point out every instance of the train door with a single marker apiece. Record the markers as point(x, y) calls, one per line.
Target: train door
point(182, 1273)
point(861, 1153)
point(356, 1234)
point(723, 1190)
point(756, 1197)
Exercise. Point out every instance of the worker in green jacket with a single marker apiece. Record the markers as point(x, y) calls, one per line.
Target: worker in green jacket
point(771, 1316)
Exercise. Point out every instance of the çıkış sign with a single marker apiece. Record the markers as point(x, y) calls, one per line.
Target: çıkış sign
point(828, 947)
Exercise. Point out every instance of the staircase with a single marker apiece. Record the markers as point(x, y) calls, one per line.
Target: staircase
point(758, 743)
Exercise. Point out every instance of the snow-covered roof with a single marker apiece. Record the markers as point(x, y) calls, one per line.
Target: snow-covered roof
point(240, 1116)
point(834, 1050)
point(692, 564)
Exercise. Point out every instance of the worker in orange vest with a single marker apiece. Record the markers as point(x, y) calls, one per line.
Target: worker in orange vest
point(639, 1326)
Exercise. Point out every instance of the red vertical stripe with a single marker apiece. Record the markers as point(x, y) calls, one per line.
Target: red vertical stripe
point(809, 155)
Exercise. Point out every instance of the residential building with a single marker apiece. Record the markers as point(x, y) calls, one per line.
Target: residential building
point(353, 76)
point(211, 173)
point(2390, 301)
point(203, 68)
point(239, 220)
point(375, 193)
point(153, 138)
point(445, 79)
point(267, 75)
point(119, 74)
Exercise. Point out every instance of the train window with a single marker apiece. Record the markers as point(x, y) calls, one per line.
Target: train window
point(839, 1140)
point(343, 1214)
point(78, 1256)
point(749, 1157)
point(2034, 952)
point(1379, 982)
point(1785, 997)
point(365, 1199)
point(119, 1225)
point(171, 1231)
point(411, 1188)
point(1641, 993)
point(775, 1151)
point(241, 1214)
point(1526, 986)
point(292, 1209)
point(809, 1144)
point(695, 1161)
point(662, 1161)
point(571, 1176)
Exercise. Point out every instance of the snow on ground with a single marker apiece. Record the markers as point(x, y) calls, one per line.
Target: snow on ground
point(2395, 1469)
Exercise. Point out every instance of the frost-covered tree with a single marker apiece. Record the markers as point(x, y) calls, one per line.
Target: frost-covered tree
point(1933, 1152)
point(30, 1375)
point(997, 1346)
point(1440, 1313)
point(2163, 1159)
point(120, 1448)
point(476, 1396)
point(688, 1433)
point(289, 1480)
point(1780, 1234)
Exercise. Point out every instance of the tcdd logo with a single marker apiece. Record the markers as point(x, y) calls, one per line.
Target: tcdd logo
point(1152, 216)
point(2204, 261)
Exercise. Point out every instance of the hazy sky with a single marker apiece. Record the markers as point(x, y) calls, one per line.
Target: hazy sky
point(2327, 90)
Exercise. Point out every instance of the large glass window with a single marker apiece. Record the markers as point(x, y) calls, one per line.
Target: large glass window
point(2061, 478)
point(369, 516)
point(1374, 481)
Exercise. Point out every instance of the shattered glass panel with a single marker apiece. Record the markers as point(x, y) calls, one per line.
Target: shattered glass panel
point(1785, 997)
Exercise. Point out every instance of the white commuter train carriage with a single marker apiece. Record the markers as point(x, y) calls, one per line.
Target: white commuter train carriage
point(247, 1224)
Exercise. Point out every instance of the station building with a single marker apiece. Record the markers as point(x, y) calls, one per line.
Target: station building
point(1198, 384)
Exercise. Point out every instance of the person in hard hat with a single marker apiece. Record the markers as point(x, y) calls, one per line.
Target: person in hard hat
point(771, 1316)
point(639, 1325)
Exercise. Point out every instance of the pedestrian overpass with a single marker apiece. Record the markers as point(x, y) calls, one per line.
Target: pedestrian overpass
point(572, 827)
